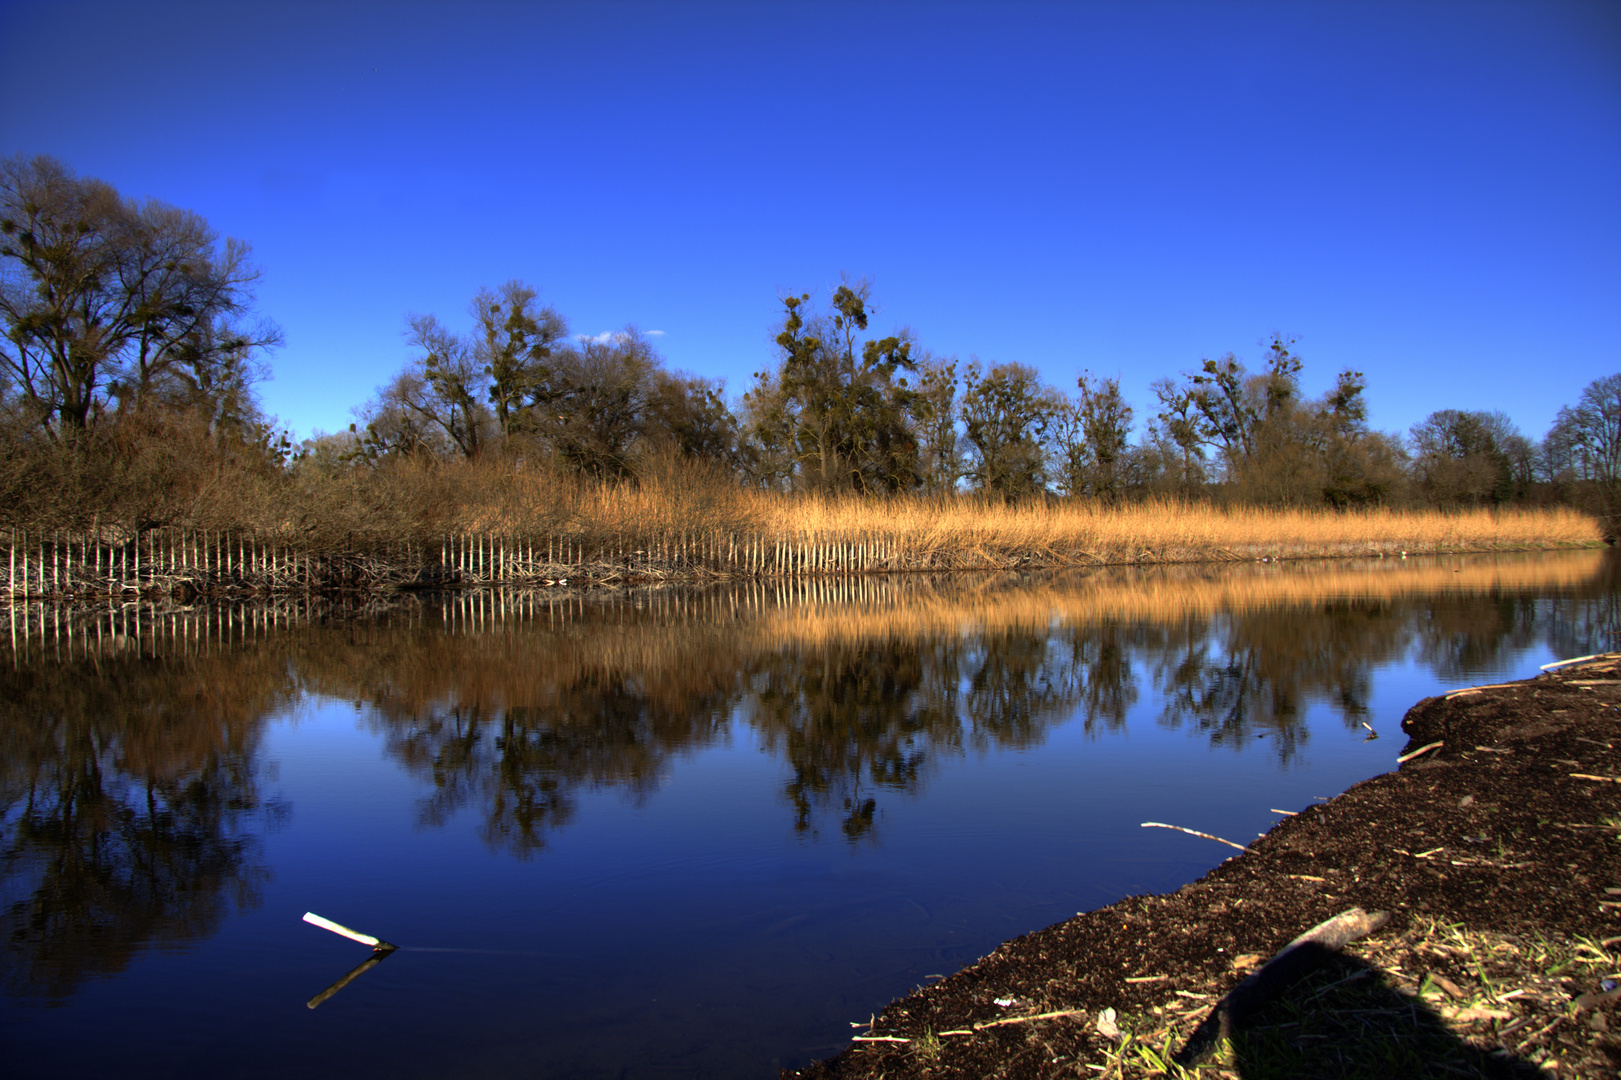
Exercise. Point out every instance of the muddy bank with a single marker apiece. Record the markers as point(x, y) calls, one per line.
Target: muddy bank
point(1497, 855)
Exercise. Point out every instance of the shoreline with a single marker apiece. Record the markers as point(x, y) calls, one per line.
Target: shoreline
point(223, 567)
point(1496, 854)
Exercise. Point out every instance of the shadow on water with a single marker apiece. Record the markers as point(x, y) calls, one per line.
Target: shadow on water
point(130, 804)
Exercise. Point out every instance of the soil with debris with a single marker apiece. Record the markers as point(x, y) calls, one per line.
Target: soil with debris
point(1496, 853)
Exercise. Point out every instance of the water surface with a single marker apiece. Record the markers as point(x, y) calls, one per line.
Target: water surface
point(669, 833)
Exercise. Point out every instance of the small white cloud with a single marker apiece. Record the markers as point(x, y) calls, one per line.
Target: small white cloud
point(654, 333)
point(601, 339)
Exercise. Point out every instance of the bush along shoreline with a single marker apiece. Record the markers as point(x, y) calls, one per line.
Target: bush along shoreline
point(809, 539)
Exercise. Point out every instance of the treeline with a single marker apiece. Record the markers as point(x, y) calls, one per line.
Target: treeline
point(130, 354)
point(840, 410)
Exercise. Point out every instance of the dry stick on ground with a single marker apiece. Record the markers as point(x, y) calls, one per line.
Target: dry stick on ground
point(1477, 689)
point(1291, 962)
point(1058, 1014)
point(1573, 660)
point(1421, 750)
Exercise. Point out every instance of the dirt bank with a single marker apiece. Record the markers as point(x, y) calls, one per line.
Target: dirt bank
point(1497, 855)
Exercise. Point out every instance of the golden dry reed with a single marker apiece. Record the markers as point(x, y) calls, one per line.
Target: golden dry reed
point(674, 513)
point(1162, 531)
point(500, 524)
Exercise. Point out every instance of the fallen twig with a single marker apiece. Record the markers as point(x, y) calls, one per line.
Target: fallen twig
point(381, 950)
point(1192, 832)
point(1574, 660)
point(1477, 689)
point(982, 1025)
point(343, 931)
point(1590, 776)
point(1421, 750)
point(378, 955)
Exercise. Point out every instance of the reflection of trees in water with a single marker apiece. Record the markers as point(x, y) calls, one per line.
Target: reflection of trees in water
point(1250, 673)
point(1238, 677)
point(1100, 656)
point(1581, 626)
point(1461, 637)
point(127, 804)
point(1016, 686)
point(855, 720)
point(847, 716)
point(522, 764)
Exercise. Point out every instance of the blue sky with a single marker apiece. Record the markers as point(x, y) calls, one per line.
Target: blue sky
point(1427, 192)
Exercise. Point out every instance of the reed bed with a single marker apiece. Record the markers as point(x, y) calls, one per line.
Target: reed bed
point(946, 533)
point(527, 531)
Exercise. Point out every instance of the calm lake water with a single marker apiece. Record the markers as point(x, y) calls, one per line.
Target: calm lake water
point(669, 833)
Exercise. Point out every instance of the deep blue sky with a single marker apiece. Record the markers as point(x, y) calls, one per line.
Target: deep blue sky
point(1428, 192)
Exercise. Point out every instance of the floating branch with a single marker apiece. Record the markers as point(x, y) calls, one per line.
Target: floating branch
point(377, 957)
point(343, 931)
point(381, 950)
point(1192, 832)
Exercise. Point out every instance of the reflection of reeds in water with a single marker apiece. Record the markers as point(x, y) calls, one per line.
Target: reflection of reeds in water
point(487, 653)
point(512, 699)
point(829, 611)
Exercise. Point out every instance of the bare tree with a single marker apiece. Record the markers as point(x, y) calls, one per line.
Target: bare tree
point(1006, 412)
point(516, 343)
point(934, 422)
point(838, 408)
point(1461, 458)
point(1584, 448)
point(1091, 434)
point(1175, 441)
point(689, 412)
point(599, 416)
point(108, 302)
point(1591, 431)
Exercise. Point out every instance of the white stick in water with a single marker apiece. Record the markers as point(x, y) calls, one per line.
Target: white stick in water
point(343, 931)
point(1192, 832)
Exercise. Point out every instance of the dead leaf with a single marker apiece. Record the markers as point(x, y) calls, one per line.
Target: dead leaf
point(1107, 1026)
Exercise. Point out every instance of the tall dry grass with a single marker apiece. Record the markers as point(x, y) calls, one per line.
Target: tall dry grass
point(1166, 531)
point(511, 520)
point(961, 532)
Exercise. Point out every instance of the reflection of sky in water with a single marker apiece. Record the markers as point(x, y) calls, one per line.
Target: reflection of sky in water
point(671, 914)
